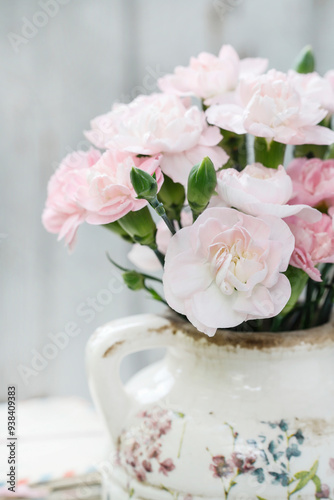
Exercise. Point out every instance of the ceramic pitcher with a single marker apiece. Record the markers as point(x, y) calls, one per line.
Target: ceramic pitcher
point(235, 416)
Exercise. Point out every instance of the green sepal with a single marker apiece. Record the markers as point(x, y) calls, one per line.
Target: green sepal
point(144, 184)
point(202, 182)
point(134, 280)
point(140, 227)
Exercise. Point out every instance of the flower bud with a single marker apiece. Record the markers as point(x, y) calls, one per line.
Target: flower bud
point(305, 62)
point(202, 182)
point(140, 226)
point(172, 196)
point(134, 280)
point(144, 184)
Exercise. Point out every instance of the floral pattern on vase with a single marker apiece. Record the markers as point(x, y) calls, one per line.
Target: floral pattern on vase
point(267, 459)
point(143, 452)
point(276, 456)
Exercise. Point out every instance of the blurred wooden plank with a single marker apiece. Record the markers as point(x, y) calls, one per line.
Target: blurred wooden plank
point(85, 57)
point(70, 71)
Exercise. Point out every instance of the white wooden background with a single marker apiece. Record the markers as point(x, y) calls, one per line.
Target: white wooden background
point(74, 65)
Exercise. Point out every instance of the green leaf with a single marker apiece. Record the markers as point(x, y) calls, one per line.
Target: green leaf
point(298, 279)
point(260, 498)
point(259, 474)
point(304, 477)
point(301, 474)
point(292, 451)
point(317, 484)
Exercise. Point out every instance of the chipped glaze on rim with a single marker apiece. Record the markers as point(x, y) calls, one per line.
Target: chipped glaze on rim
point(320, 336)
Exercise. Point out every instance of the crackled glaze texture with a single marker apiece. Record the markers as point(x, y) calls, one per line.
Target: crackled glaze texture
point(238, 416)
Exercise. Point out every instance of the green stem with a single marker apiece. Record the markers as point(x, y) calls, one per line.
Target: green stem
point(236, 147)
point(149, 277)
point(160, 210)
point(325, 311)
point(232, 482)
point(124, 269)
point(181, 441)
point(196, 214)
point(270, 154)
point(155, 294)
point(121, 268)
point(308, 306)
point(160, 256)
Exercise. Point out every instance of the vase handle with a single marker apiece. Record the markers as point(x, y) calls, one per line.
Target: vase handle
point(104, 353)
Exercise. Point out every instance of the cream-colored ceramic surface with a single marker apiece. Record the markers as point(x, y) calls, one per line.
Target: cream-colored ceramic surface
point(216, 419)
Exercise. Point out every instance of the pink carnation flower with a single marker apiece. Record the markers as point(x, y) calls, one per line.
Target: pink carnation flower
point(208, 76)
point(315, 88)
point(156, 124)
point(93, 188)
point(64, 212)
point(226, 268)
point(258, 190)
point(110, 193)
point(314, 244)
point(273, 106)
point(313, 181)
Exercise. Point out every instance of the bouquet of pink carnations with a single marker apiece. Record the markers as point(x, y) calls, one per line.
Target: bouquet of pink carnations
point(242, 241)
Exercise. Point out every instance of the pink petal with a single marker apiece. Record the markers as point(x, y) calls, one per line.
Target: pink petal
point(227, 116)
